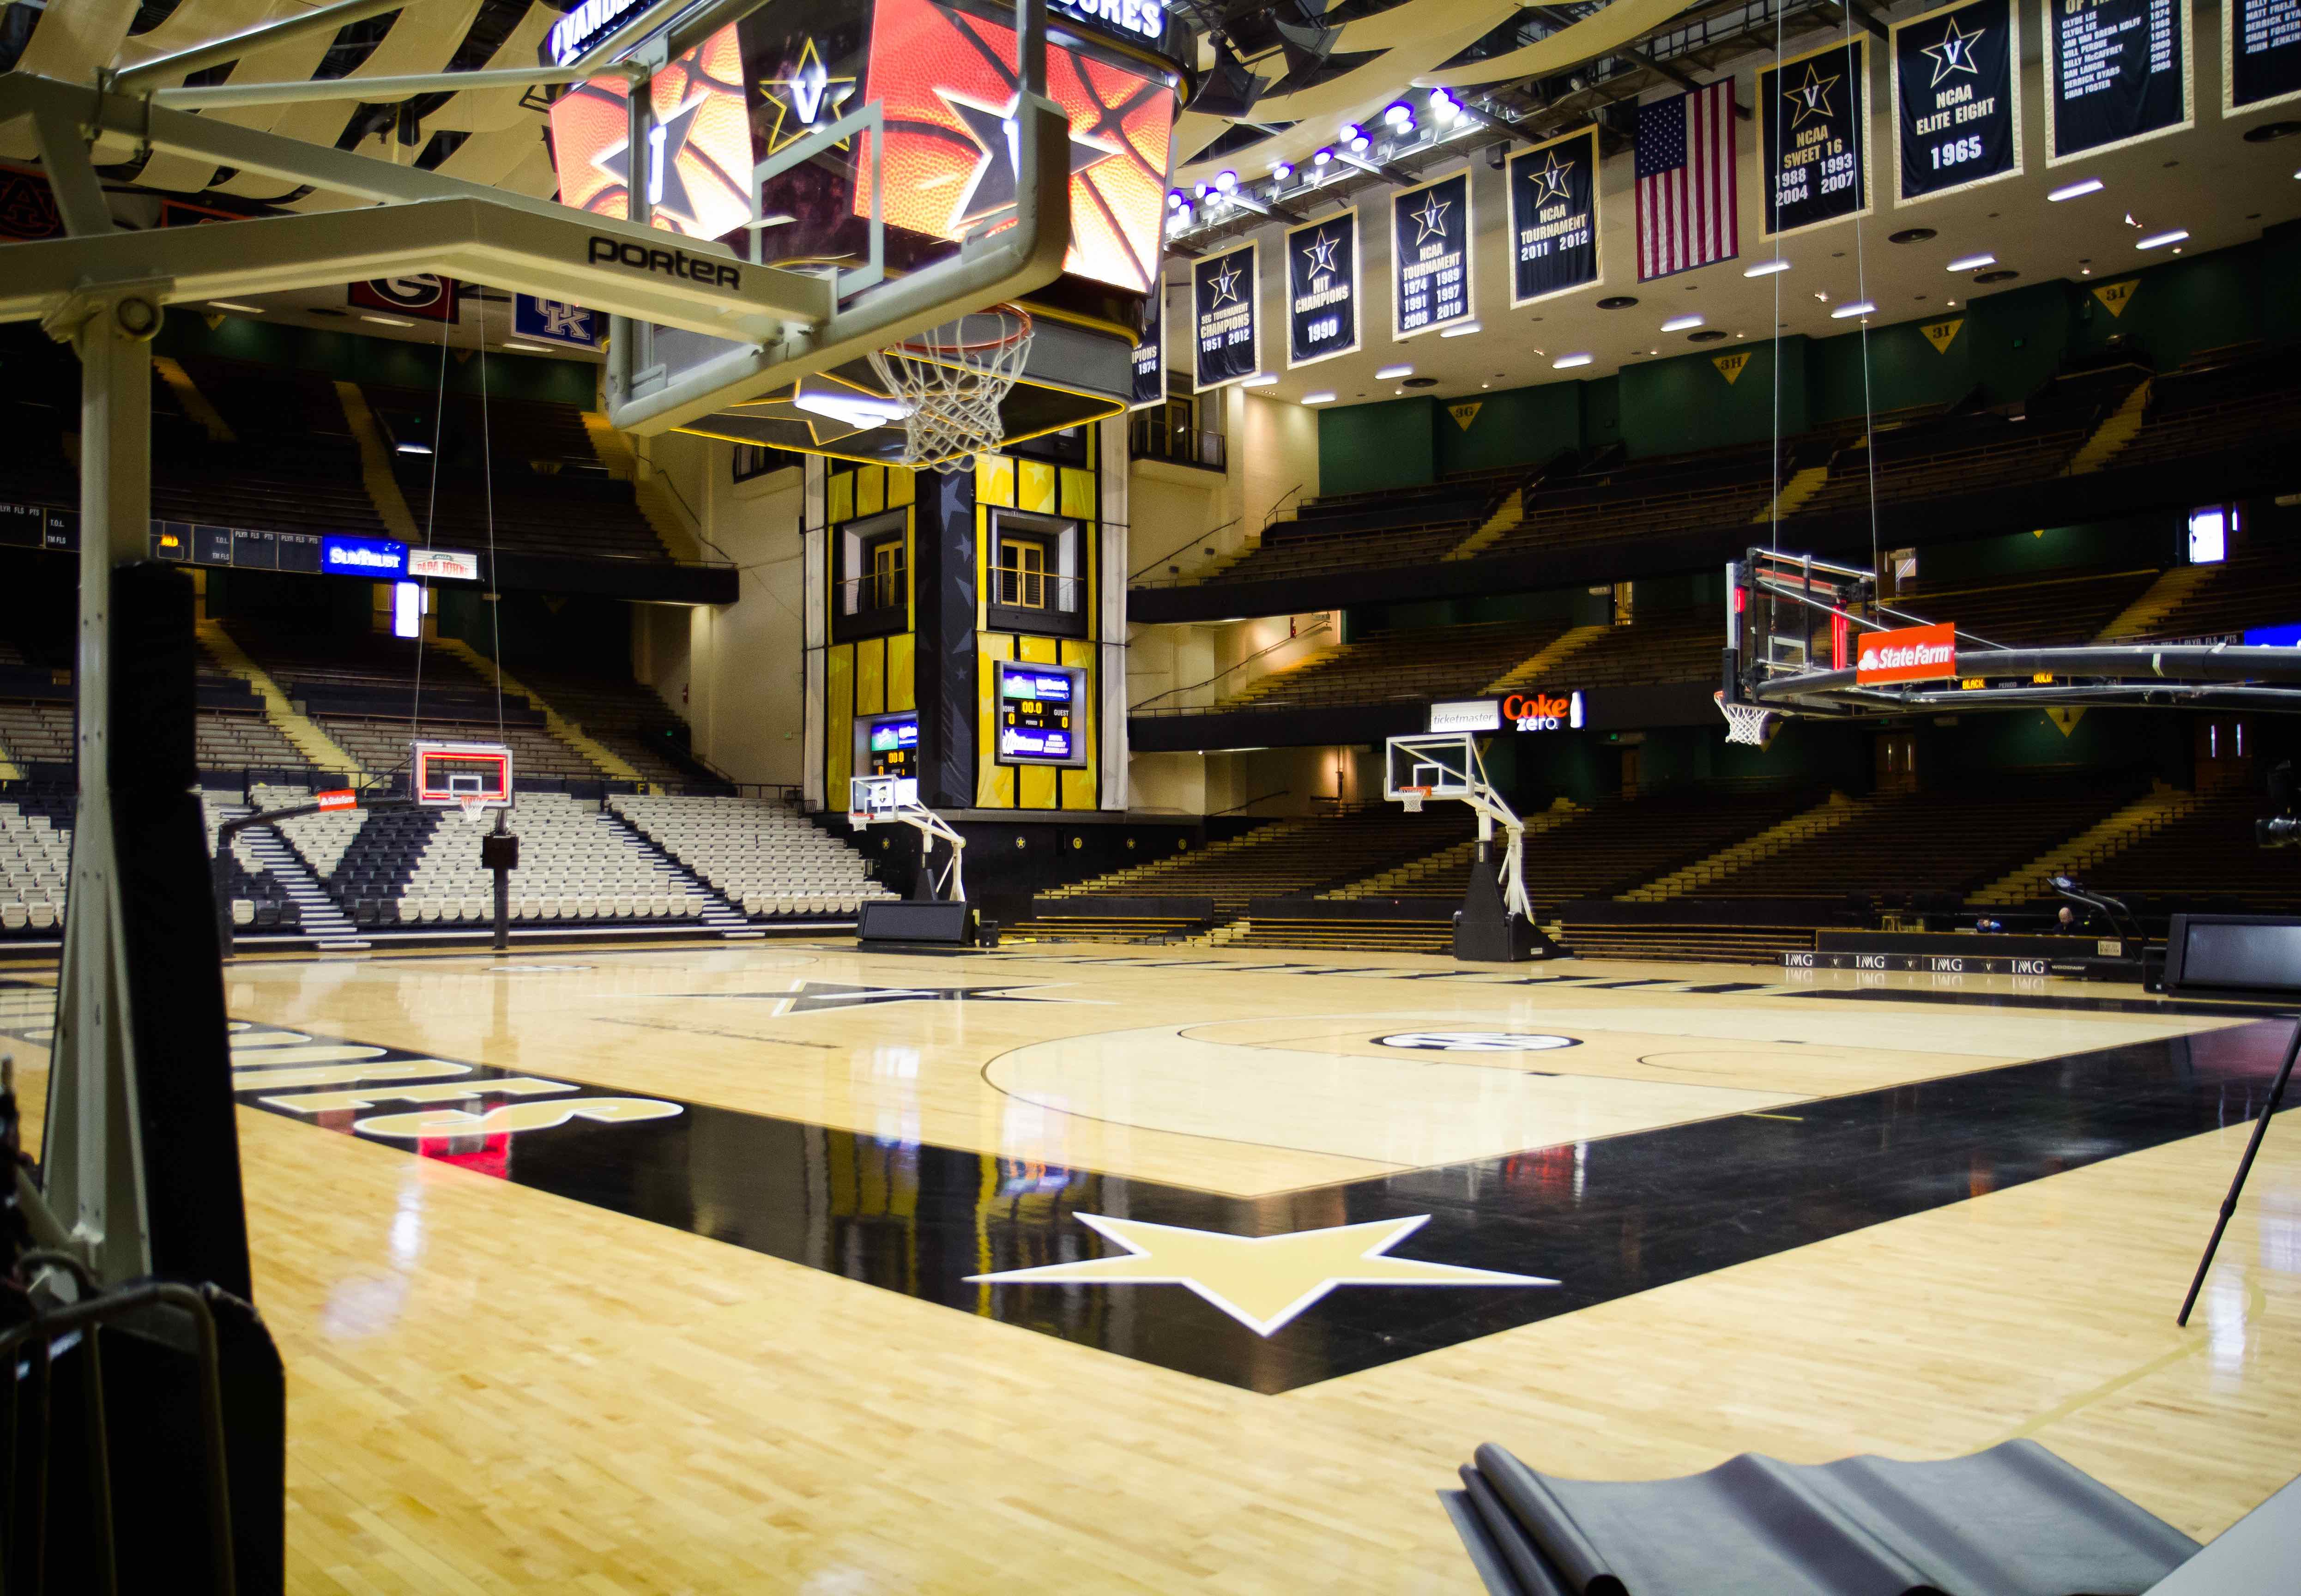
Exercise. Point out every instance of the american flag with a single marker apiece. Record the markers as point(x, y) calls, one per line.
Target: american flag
point(1686, 181)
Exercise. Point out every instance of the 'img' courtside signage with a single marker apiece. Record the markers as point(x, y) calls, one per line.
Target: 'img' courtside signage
point(1815, 113)
point(2261, 53)
point(1553, 217)
point(2117, 72)
point(1224, 317)
point(1912, 654)
point(1322, 290)
point(1957, 108)
point(1430, 256)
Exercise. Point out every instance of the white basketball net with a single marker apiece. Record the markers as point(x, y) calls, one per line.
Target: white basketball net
point(1744, 723)
point(474, 808)
point(953, 378)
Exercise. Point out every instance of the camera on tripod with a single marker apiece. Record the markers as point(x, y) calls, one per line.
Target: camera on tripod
point(2282, 828)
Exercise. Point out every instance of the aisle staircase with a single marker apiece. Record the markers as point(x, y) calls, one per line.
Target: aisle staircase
point(2168, 593)
point(1532, 669)
point(663, 513)
point(605, 760)
point(2116, 431)
point(1802, 486)
point(718, 914)
point(2151, 812)
point(320, 919)
point(1506, 519)
point(300, 731)
point(375, 467)
point(1116, 884)
point(1685, 882)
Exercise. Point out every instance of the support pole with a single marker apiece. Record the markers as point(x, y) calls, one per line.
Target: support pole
point(2244, 1168)
point(94, 1168)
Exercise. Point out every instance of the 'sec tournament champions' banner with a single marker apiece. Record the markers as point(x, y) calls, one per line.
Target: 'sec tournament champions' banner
point(1224, 323)
point(1553, 217)
point(1957, 105)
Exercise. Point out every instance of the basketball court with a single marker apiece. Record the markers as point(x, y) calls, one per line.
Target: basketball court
point(1631, 1220)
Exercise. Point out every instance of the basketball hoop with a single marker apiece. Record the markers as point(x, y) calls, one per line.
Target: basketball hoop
point(474, 808)
point(953, 377)
point(1412, 798)
point(1744, 723)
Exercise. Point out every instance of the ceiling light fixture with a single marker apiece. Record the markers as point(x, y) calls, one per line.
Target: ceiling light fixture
point(527, 349)
point(1464, 330)
point(1226, 181)
point(861, 411)
point(1281, 170)
point(2077, 190)
point(1564, 361)
point(1680, 323)
point(1391, 373)
point(1972, 262)
point(1767, 268)
point(1260, 379)
point(414, 449)
point(251, 309)
point(1322, 157)
point(388, 320)
point(1324, 396)
point(1859, 307)
point(2159, 240)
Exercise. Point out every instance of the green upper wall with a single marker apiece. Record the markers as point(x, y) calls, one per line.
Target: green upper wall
point(387, 362)
point(2003, 346)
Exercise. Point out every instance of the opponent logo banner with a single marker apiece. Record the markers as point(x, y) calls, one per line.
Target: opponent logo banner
point(555, 321)
point(1553, 217)
point(1223, 322)
point(1430, 256)
point(1957, 104)
point(2261, 53)
point(421, 295)
point(1816, 155)
point(1322, 290)
point(2117, 72)
point(1150, 355)
point(1912, 654)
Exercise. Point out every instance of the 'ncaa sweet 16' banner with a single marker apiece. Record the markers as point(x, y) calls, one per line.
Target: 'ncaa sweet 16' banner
point(1814, 114)
point(1957, 107)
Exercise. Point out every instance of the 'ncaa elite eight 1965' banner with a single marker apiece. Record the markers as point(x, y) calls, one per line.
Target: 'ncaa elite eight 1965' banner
point(2117, 72)
point(1553, 217)
point(1430, 256)
point(1814, 120)
point(1957, 107)
point(1322, 290)
point(1224, 324)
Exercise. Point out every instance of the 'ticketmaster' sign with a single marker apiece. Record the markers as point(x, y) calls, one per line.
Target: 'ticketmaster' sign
point(1914, 654)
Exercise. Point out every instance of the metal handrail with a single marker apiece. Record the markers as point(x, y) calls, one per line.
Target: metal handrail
point(1322, 625)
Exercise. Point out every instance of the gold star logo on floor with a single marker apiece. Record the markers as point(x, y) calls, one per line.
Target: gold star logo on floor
point(1262, 1281)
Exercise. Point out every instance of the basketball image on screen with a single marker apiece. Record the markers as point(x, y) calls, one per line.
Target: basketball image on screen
point(947, 80)
point(698, 168)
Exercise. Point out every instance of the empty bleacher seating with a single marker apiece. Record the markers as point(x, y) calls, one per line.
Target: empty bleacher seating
point(2206, 860)
point(1390, 527)
point(1422, 662)
point(2221, 400)
point(623, 716)
point(1619, 500)
point(36, 730)
point(1283, 858)
point(35, 860)
point(762, 856)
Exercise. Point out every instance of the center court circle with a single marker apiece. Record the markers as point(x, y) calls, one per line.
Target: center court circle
point(1477, 1042)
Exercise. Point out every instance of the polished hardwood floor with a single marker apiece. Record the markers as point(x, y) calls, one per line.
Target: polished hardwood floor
point(744, 1340)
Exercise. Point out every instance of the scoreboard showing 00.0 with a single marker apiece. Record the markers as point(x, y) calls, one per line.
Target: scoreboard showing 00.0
point(1038, 714)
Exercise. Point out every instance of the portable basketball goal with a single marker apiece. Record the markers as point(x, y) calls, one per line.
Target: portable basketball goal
point(1803, 638)
point(1497, 918)
point(875, 798)
point(104, 289)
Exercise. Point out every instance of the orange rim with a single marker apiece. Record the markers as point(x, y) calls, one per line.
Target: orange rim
point(978, 346)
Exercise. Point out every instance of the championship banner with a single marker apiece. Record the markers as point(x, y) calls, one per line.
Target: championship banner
point(1815, 124)
point(1430, 256)
point(2261, 53)
point(1322, 290)
point(2117, 72)
point(1150, 354)
point(1554, 218)
point(1957, 99)
point(1224, 323)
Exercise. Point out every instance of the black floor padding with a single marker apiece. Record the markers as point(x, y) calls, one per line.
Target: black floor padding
point(2012, 1521)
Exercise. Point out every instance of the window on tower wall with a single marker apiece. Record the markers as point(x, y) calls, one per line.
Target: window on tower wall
point(872, 590)
point(1035, 578)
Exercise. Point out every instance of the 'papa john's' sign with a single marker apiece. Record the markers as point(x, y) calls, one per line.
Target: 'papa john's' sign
point(1913, 653)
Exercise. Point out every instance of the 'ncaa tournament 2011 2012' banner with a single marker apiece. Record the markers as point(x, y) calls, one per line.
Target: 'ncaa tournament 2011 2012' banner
point(1225, 319)
point(1322, 290)
point(1553, 217)
point(1430, 256)
point(1814, 120)
point(1957, 105)
point(2117, 72)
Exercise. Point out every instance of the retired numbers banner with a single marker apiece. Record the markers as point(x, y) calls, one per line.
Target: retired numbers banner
point(2117, 72)
point(1225, 323)
point(1322, 290)
point(1149, 356)
point(1553, 217)
point(1815, 122)
point(1430, 256)
point(1957, 108)
point(2261, 53)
